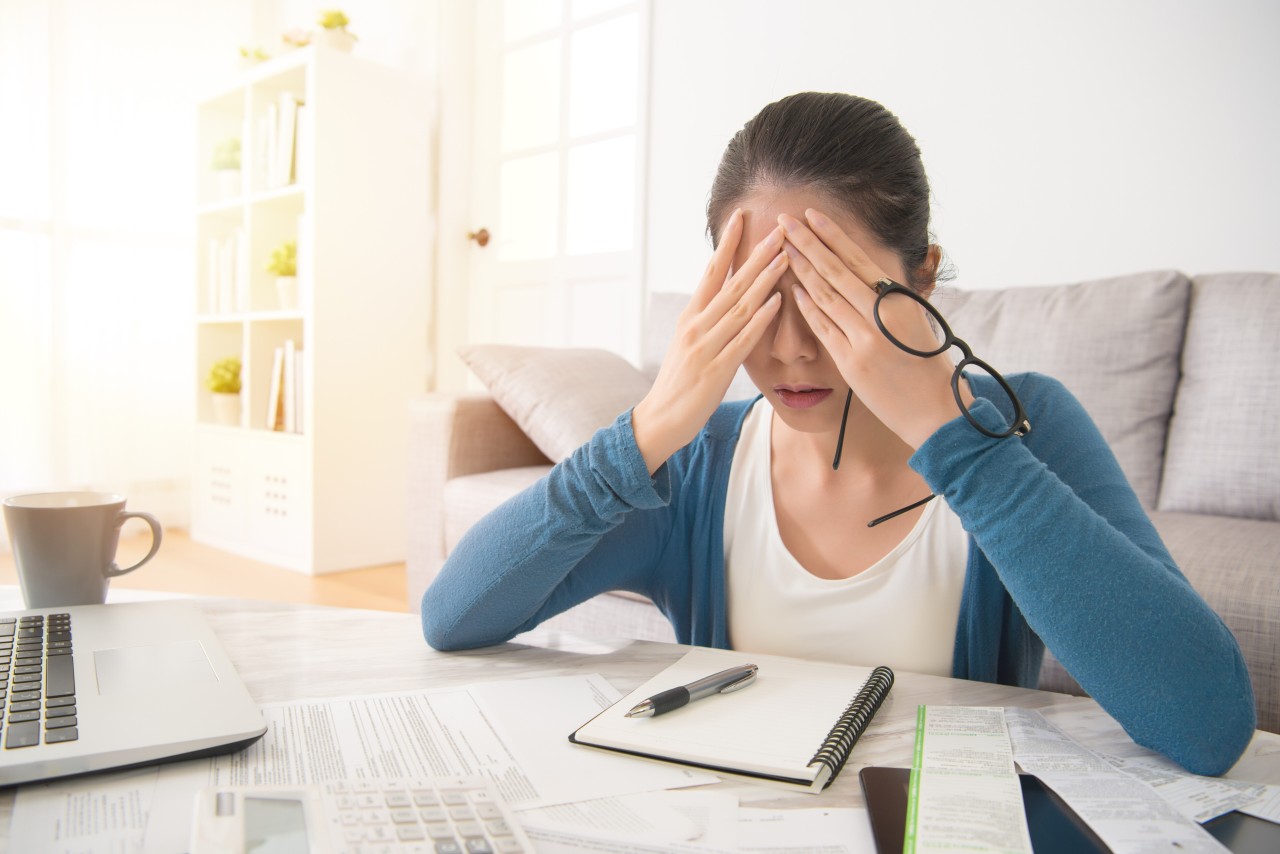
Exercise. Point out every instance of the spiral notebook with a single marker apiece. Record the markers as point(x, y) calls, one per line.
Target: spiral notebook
point(796, 725)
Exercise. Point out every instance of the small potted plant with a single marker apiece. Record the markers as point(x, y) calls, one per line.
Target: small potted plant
point(284, 266)
point(224, 382)
point(250, 56)
point(226, 167)
point(333, 30)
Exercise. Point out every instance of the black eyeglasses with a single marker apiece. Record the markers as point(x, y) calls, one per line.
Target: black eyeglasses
point(904, 332)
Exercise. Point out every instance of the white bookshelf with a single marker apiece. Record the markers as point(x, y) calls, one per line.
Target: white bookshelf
point(330, 496)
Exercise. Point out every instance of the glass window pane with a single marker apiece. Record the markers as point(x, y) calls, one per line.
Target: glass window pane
point(587, 8)
point(26, 428)
point(528, 202)
point(522, 18)
point(128, 391)
point(601, 196)
point(128, 129)
point(531, 96)
point(24, 108)
point(604, 69)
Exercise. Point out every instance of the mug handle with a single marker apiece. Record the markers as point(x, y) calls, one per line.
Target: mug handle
point(114, 570)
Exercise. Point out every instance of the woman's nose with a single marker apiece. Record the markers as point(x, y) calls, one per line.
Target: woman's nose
point(793, 340)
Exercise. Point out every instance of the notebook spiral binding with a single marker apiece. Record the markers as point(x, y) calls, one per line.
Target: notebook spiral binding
point(849, 728)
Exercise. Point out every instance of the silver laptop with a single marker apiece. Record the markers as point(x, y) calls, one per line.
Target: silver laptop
point(94, 687)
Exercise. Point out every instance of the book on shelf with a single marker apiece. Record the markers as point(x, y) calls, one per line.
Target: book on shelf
point(278, 140)
point(290, 382)
point(285, 398)
point(795, 725)
point(227, 273)
point(275, 412)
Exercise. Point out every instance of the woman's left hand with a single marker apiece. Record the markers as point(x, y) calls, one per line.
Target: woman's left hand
point(911, 395)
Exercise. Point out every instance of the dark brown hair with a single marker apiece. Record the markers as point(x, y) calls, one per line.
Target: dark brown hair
point(849, 149)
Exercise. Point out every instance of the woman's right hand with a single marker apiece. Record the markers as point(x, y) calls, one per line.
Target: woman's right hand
point(725, 318)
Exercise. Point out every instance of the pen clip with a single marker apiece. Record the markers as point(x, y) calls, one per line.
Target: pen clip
point(741, 682)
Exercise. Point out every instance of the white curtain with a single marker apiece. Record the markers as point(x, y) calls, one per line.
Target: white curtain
point(97, 175)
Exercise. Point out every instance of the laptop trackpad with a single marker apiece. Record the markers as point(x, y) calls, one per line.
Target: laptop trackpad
point(153, 668)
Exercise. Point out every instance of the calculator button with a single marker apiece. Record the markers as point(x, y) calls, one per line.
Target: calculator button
point(461, 813)
point(373, 817)
point(380, 832)
point(368, 801)
point(404, 817)
point(398, 799)
point(453, 797)
point(430, 814)
point(410, 832)
point(508, 845)
point(488, 811)
point(354, 834)
point(470, 828)
point(363, 787)
point(349, 819)
point(498, 827)
point(425, 798)
point(448, 846)
point(439, 831)
point(479, 845)
point(67, 734)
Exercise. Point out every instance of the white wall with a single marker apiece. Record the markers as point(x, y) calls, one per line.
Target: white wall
point(1064, 141)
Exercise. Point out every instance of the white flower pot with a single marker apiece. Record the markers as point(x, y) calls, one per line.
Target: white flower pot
point(228, 183)
point(337, 39)
point(226, 408)
point(287, 290)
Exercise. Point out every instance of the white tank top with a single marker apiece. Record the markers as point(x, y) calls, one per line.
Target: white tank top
point(900, 612)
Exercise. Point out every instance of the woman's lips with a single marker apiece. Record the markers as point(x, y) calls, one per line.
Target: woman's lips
point(800, 397)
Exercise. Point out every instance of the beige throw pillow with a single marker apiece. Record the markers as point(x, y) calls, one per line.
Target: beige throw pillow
point(558, 396)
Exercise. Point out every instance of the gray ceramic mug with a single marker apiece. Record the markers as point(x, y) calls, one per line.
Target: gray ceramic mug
point(64, 545)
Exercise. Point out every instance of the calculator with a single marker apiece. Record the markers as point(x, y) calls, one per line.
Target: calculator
point(433, 815)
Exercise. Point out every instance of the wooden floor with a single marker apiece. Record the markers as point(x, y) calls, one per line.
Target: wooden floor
point(183, 566)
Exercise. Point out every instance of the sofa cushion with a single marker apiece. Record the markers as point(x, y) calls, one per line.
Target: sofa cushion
point(558, 396)
point(1223, 456)
point(1113, 342)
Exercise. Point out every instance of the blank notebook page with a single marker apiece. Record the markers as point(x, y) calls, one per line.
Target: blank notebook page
point(773, 726)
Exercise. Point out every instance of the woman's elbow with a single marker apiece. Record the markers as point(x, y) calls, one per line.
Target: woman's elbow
point(438, 629)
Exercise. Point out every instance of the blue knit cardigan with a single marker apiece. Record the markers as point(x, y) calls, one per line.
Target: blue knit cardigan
point(1061, 554)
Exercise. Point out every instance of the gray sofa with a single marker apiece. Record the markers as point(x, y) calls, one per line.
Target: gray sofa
point(1181, 374)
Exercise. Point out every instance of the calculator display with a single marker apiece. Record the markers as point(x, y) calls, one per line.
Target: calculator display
point(275, 826)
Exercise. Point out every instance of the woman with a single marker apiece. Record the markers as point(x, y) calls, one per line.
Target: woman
point(735, 521)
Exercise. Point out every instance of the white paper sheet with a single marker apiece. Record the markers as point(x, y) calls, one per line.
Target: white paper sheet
point(1198, 798)
point(1126, 813)
point(453, 731)
point(691, 822)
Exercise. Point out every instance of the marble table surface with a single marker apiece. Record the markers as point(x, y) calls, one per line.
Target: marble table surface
point(288, 652)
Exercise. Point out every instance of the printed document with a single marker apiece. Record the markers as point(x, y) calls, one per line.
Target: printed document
point(964, 793)
point(466, 730)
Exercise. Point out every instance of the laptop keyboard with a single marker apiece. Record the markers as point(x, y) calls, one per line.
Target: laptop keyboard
point(37, 681)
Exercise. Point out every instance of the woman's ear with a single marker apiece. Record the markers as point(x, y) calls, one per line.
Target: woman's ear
point(928, 272)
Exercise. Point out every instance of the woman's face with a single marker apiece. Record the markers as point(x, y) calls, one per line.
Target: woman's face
point(789, 366)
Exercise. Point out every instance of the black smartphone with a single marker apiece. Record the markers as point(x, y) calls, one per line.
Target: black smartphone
point(1055, 828)
point(1245, 834)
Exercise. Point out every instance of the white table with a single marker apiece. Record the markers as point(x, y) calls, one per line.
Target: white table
point(290, 652)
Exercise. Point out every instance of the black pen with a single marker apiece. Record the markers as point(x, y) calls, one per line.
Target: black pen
point(733, 679)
